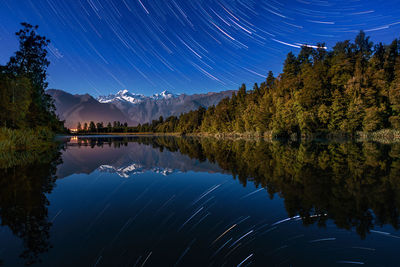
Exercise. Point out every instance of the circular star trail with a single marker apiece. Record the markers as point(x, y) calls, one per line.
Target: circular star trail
point(184, 46)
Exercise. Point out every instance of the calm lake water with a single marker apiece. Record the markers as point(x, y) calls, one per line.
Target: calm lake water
point(165, 201)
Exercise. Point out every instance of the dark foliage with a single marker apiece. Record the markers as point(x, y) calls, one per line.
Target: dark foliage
point(353, 87)
point(23, 102)
point(23, 200)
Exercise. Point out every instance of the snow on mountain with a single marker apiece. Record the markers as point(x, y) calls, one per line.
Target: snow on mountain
point(123, 95)
point(163, 95)
point(125, 106)
point(126, 96)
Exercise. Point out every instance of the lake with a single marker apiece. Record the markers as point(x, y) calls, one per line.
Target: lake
point(180, 201)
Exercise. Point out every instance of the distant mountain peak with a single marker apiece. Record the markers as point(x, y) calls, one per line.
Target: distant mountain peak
point(164, 95)
point(125, 106)
point(133, 98)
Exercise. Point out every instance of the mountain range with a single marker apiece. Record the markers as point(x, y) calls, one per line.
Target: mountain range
point(125, 106)
point(126, 96)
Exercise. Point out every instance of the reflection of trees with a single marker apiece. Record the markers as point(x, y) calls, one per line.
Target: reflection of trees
point(23, 201)
point(357, 185)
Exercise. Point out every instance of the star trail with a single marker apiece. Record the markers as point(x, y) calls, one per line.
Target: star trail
point(146, 46)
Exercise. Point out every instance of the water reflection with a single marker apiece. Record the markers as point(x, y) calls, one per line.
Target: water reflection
point(127, 157)
point(23, 200)
point(357, 185)
point(110, 201)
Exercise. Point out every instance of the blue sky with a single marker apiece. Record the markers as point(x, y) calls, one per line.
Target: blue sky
point(147, 46)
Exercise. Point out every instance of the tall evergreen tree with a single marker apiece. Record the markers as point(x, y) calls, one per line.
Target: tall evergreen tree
point(31, 61)
point(92, 127)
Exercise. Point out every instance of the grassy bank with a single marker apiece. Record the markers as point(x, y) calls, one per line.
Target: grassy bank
point(216, 135)
point(126, 133)
point(25, 139)
point(21, 147)
point(382, 136)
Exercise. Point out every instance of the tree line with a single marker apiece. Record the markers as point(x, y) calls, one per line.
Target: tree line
point(100, 127)
point(117, 127)
point(353, 87)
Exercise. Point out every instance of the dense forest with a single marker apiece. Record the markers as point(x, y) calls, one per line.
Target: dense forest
point(27, 113)
point(354, 87)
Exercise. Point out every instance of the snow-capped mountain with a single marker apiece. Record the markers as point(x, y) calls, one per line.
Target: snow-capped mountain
point(125, 106)
point(126, 96)
point(164, 95)
point(123, 95)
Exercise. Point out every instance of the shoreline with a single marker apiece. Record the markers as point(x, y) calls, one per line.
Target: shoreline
point(386, 136)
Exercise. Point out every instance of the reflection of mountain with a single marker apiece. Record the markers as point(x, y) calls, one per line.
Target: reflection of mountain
point(356, 185)
point(133, 169)
point(125, 171)
point(126, 159)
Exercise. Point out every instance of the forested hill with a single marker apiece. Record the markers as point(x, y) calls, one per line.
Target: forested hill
point(353, 87)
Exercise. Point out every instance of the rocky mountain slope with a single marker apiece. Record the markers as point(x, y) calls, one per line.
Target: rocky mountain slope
point(84, 108)
point(125, 106)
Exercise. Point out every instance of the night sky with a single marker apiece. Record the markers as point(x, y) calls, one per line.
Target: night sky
point(184, 46)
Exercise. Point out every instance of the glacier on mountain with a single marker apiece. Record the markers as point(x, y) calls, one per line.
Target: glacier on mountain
point(126, 96)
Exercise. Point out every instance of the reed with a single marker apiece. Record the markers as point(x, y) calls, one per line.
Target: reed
point(24, 139)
